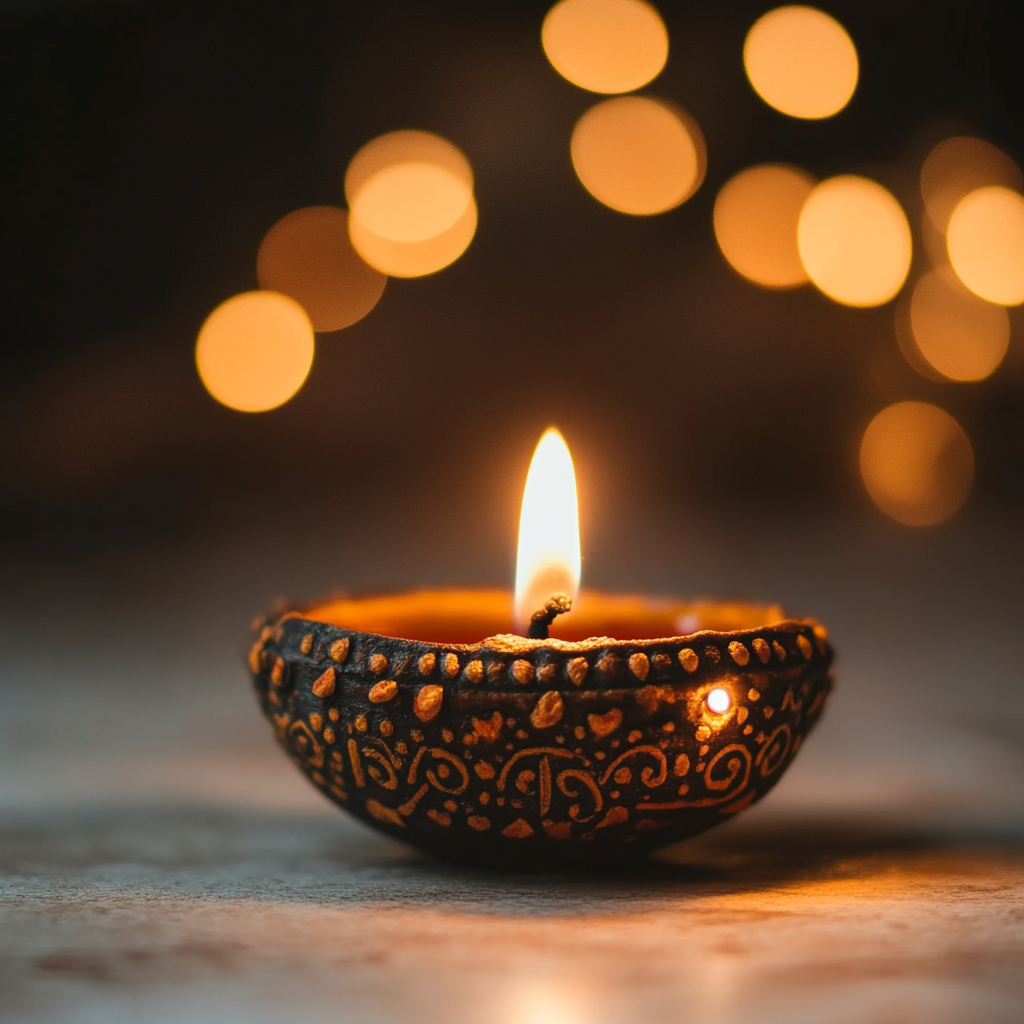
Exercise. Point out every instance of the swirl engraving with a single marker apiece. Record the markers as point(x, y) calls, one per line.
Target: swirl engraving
point(442, 771)
point(574, 793)
point(741, 761)
point(304, 745)
point(737, 766)
point(390, 779)
point(531, 752)
point(384, 756)
point(647, 774)
point(525, 777)
point(774, 751)
point(790, 701)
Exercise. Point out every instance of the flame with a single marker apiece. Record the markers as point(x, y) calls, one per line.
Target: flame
point(548, 559)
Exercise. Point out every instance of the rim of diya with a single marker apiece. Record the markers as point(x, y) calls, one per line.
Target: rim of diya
point(516, 751)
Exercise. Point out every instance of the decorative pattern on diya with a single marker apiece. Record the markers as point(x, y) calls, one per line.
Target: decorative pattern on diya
point(516, 750)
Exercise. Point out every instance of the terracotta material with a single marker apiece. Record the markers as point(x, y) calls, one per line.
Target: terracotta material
point(514, 750)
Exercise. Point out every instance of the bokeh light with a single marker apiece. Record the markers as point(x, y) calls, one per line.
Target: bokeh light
point(605, 45)
point(854, 241)
point(755, 218)
point(985, 242)
point(907, 344)
point(415, 259)
point(638, 155)
point(801, 61)
point(411, 202)
point(917, 463)
point(307, 255)
point(255, 350)
point(961, 165)
point(961, 336)
point(408, 186)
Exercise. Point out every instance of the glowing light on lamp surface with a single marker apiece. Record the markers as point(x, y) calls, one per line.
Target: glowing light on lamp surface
point(255, 351)
point(961, 336)
point(548, 557)
point(605, 45)
point(854, 241)
point(719, 701)
point(917, 463)
point(985, 241)
point(638, 155)
point(307, 255)
point(801, 61)
point(755, 218)
point(410, 196)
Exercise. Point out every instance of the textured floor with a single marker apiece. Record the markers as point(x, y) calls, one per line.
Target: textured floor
point(160, 861)
point(183, 915)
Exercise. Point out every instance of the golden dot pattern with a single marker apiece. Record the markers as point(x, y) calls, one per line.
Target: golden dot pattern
point(481, 749)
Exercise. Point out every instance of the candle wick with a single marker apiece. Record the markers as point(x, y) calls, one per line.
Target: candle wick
point(554, 606)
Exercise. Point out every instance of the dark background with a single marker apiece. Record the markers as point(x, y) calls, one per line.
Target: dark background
point(149, 146)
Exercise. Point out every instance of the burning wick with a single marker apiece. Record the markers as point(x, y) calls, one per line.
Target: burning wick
point(555, 605)
point(548, 558)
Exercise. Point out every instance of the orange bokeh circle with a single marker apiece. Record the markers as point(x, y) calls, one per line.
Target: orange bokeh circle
point(638, 155)
point(854, 241)
point(605, 46)
point(917, 463)
point(801, 61)
point(755, 219)
point(308, 255)
point(255, 350)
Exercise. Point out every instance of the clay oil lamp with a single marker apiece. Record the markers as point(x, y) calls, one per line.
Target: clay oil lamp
point(543, 728)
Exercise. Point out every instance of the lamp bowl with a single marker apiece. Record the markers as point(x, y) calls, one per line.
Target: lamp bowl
point(514, 751)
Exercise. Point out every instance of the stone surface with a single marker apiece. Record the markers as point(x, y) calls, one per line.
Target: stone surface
point(161, 861)
point(179, 915)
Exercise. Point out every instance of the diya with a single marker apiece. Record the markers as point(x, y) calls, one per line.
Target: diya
point(533, 749)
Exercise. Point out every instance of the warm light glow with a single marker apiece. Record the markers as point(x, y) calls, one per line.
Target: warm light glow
point(415, 259)
point(917, 463)
point(958, 166)
point(411, 202)
point(534, 997)
point(254, 351)
point(605, 45)
point(908, 344)
point(854, 241)
point(985, 241)
point(412, 210)
point(756, 215)
point(308, 256)
point(638, 155)
point(961, 336)
point(548, 559)
point(408, 186)
point(801, 61)
point(464, 616)
point(719, 701)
